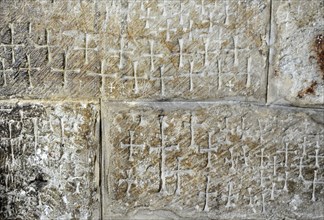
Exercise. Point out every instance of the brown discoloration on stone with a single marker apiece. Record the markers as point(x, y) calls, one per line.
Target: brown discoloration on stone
point(307, 91)
point(296, 54)
point(319, 49)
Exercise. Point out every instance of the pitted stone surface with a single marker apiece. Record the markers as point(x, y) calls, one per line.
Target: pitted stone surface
point(193, 49)
point(224, 161)
point(48, 161)
point(297, 74)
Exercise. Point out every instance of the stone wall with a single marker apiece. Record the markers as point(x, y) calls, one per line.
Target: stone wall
point(161, 109)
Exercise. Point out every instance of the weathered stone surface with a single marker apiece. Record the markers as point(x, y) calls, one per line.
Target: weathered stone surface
point(297, 74)
point(197, 141)
point(223, 161)
point(131, 49)
point(49, 161)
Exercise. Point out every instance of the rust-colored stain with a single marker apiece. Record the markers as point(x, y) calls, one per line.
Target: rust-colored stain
point(319, 49)
point(308, 90)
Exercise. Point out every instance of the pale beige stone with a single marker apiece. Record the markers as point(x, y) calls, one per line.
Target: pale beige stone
point(296, 71)
point(121, 50)
point(192, 100)
point(160, 160)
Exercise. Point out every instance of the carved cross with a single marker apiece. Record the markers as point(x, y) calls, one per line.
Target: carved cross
point(129, 181)
point(4, 71)
point(162, 80)
point(121, 51)
point(47, 46)
point(206, 194)
point(193, 125)
point(236, 50)
point(315, 182)
point(230, 196)
point(29, 69)
point(191, 75)
point(103, 76)
point(181, 53)
point(86, 47)
point(168, 30)
point(131, 145)
point(178, 173)
point(12, 44)
point(211, 148)
point(286, 152)
point(135, 77)
point(316, 156)
point(162, 150)
point(65, 70)
point(152, 55)
point(147, 18)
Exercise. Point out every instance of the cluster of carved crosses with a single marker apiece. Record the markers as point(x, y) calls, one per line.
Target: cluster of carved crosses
point(35, 144)
point(24, 135)
point(273, 172)
point(209, 58)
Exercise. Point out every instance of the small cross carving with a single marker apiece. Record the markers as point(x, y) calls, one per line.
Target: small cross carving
point(4, 72)
point(129, 180)
point(103, 76)
point(65, 70)
point(131, 145)
point(206, 194)
point(12, 44)
point(29, 69)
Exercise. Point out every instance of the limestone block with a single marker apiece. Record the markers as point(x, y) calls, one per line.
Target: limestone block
point(296, 71)
point(49, 161)
point(129, 49)
point(218, 161)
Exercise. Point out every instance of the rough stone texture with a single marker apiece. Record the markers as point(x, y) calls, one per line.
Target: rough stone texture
point(254, 162)
point(49, 161)
point(182, 74)
point(135, 49)
point(297, 74)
